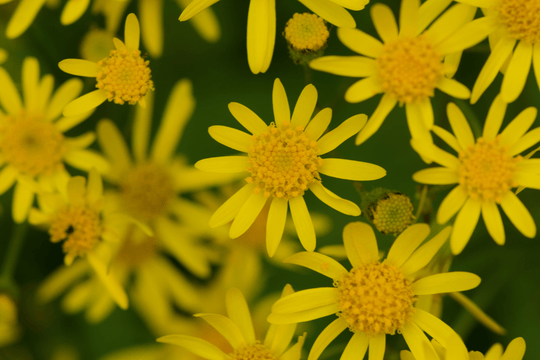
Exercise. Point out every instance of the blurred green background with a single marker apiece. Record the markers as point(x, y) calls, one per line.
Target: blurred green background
point(510, 289)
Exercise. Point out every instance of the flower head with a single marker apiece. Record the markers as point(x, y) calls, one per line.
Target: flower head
point(408, 65)
point(377, 298)
point(306, 32)
point(123, 76)
point(486, 169)
point(238, 329)
point(283, 161)
point(32, 142)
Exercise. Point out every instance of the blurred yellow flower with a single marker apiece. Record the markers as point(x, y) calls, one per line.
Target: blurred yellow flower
point(123, 76)
point(509, 22)
point(3, 56)
point(96, 44)
point(261, 26)
point(76, 216)
point(359, 294)
point(486, 170)
point(238, 329)
point(283, 161)
point(408, 65)
point(32, 144)
point(9, 325)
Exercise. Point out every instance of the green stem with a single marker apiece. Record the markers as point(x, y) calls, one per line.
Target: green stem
point(12, 256)
point(307, 74)
point(421, 204)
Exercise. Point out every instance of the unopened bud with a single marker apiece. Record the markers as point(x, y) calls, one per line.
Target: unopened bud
point(307, 37)
point(390, 211)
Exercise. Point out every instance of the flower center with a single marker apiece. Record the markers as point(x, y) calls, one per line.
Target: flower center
point(125, 76)
point(487, 171)
point(409, 69)
point(521, 19)
point(392, 213)
point(147, 190)
point(79, 227)
point(135, 251)
point(255, 351)
point(32, 146)
point(283, 162)
point(375, 299)
point(306, 32)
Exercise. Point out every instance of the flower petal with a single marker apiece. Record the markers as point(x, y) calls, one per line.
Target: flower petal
point(235, 139)
point(23, 198)
point(195, 345)
point(360, 243)
point(195, 7)
point(408, 18)
point(345, 130)
point(113, 286)
point(113, 145)
point(465, 224)
point(261, 34)
point(277, 216)
point(80, 67)
point(8, 175)
point(518, 127)
point(132, 32)
point(84, 159)
point(406, 243)
point(151, 13)
point(360, 42)
point(247, 215)
point(451, 204)
point(304, 107)
point(85, 103)
point(331, 12)
point(320, 263)
point(363, 89)
point(303, 223)
point(73, 10)
point(517, 72)
point(518, 215)
point(385, 22)
point(515, 350)
point(223, 164)
point(329, 198)
point(453, 88)
point(318, 125)
point(238, 312)
point(302, 316)
point(436, 176)
point(9, 95)
point(418, 342)
point(422, 256)
point(305, 300)
point(282, 111)
point(30, 83)
point(351, 170)
point(356, 347)
point(62, 96)
point(377, 346)
point(529, 139)
point(386, 105)
point(429, 150)
point(230, 208)
point(22, 17)
point(353, 66)
point(247, 118)
point(332, 331)
point(468, 35)
point(445, 283)
point(226, 327)
point(493, 221)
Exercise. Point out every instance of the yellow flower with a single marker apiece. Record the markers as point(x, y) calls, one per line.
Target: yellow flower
point(123, 76)
point(32, 144)
point(514, 351)
point(261, 26)
point(238, 329)
point(76, 217)
point(408, 66)
point(283, 161)
point(485, 171)
point(151, 16)
point(375, 298)
point(509, 22)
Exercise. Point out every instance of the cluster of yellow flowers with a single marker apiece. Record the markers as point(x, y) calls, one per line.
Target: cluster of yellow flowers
point(142, 224)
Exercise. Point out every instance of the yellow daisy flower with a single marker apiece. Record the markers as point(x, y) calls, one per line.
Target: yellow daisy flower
point(375, 298)
point(32, 145)
point(408, 65)
point(76, 217)
point(261, 26)
point(283, 161)
point(514, 351)
point(151, 16)
point(238, 329)
point(485, 171)
point(123, 76)
point(509, 22)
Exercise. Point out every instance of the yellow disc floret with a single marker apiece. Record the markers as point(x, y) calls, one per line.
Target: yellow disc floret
point(146, 190)
point(409, 69)
point(32, 146)
point(521, 19)
point(283, 162)
point(392, 213)
point(375, 299)
point(306, 32)
point(255, 351)
point(79, 227)
point(125, 75)
point(487, 171)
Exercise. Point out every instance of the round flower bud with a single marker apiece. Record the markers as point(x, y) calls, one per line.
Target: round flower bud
point(307, 36)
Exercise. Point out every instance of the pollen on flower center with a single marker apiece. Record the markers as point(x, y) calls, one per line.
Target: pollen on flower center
point(125, 76)
point(255, 351)
point(521, 19)
point(32, 146)
point(283, 162)
point(79, 227)
point(487, 171)
point(306, 32)
point(146, 190)
point(375, 299)
point(409, 69)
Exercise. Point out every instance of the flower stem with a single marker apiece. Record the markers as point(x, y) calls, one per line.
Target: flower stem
point(11, 258)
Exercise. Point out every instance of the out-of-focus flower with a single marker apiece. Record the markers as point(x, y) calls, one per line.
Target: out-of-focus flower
point(96, 45)
point(408, 65)
point(261, 26)
point(238, 329)
point(122, 77)
point(370, 308)
point(3, 56)
point(283, 161)
point(151, 15)
point(509, 22)
point(32, 144)
point(485, 171)
point(514, 351)
point(76, 217)
point(9, 325)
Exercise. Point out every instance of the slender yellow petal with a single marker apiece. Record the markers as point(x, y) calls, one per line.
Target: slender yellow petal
point(447, 137)
point(304, 107)
point(386, 105)
point(385, 22)
point(422, 256)
point(80, 67)
point(453, 88)
point(235, 139)
point(479, 3)
point(438, 155)
point(305, 300)
point(436, 176)
point(345, 130)
point(492, 219)
point(195, 345)
point(230, 208)
point(195, 7)
point(318, 125)
point(67, 123)
point(302, 316)
point(132, 32)
point(277, 216)
point(360, 243)
point(141, 128)
point(326, 337)
point(351, 170)
point(529, 139)
point(377, 346)
point(151, 13)
point(261, 34)
point(494, 119)
point(320, 263)
point(282, 111)
point(468, 35)
point(30, 83)
point(465, 224)
point(515, 350)
point(73, 11)
point(63, 95)
point(302, 222)
point(418, 342)
point(518, 127)
point(451, 204)
point(8, 175)
point(356, 347)
point(87, 159)
point(247, 118)
point(331, 12)
point(9, 95)
point(206, 24)
point(94, 192)
point(360, 42)
point(450, 22)
point(363, 89)
point(329, 198)
point(406, 243)
point(223, 164)
point(417, 124)
point(238, 312)
point(113, 145)
point(85, 103)
point(408, 18)
point(23, 198)
point(517, 72)
point(460, 126)
point(226, 327)
point(113, 286)
point(536, 62)
point(445, 283)
point(426, 112)
point(247, 215)
point(518, 215)
point(46, 87)
point(428, 12)
point(353, 66)
point(22, 18)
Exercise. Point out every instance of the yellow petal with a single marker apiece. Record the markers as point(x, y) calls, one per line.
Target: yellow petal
point(353, 66)
point(80, 67)
point(436, 176)
point(302, 316)
point(304, 107)
point(408, 17)
point(226, 327)
point(230, 208)
point(517, 72)
point(360, 243)
point(478, 313)
point(318, 125)
point(377, 346)
point(351, 170)
point(331, 12)
point(428, 12)
point(337, 136)
point(492, 219)
point(360, 42)
point(195, 7)
point(385, 22)
point(141, 128)
point(23, 198)
point(363, 89)
point(445, 283)
point(468, 35)
point(87, 159)
point(386, 105)
point(223, 164)
point(356, 347)
point(85, 103)
point(515, 350)
point(282, 111)
point(113, 145)
point(62, 96)
point(247, 118)
point(406, 243)
point(451, 204)
point(235, 139)
point(494, 119)
point(112, 285)
point(132, 32)
point(326, 337)
point(453, 88)
point(22, 18)
point(518, 215)
point(303, 223)
point(277, 216)
point(418, 342)
point(247, 215)
point(30, 79)
point(73, 10)
point(8, 175)
point(305, 300)
point(261, 34)
point(320, 263)
point(518, 127)
point(238, 312)
point(195, 345)
point(460, 126)
point(329, 198)
point(9, 95)
point(422, 256)
point(465, 224)
point(151, 13)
